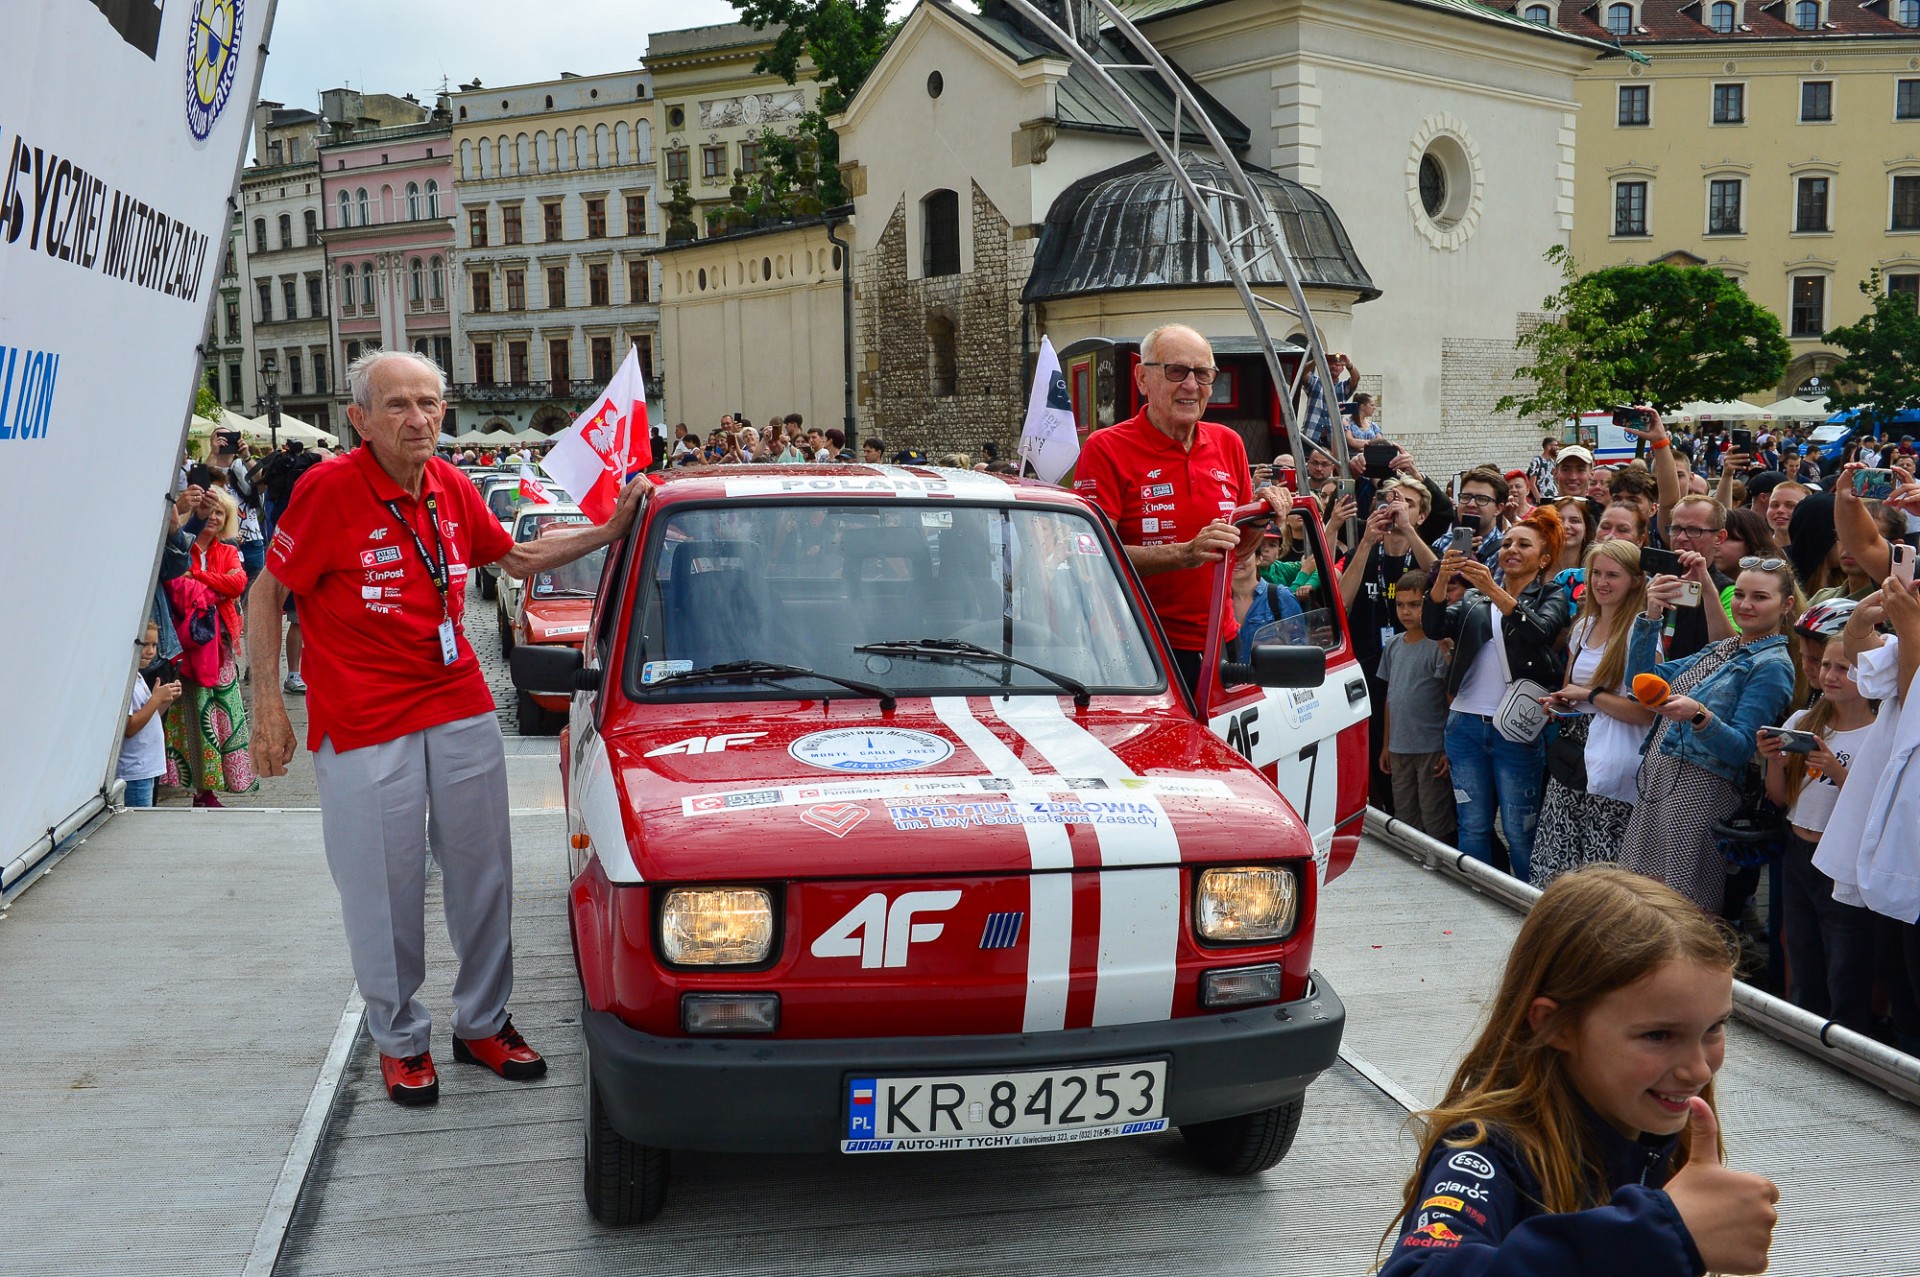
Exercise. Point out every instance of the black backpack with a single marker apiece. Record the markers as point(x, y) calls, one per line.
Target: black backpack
point(284, 471)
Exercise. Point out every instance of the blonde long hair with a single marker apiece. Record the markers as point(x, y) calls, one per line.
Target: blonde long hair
point(1613, 658)
point(1592, 931)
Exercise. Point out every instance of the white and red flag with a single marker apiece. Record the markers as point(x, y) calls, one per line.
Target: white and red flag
point(606, 445)
point(531, 489)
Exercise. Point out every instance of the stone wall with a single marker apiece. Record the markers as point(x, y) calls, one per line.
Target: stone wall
point(896, 315)
point(1474, 373)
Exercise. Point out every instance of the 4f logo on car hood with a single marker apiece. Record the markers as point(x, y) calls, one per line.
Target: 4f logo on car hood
point(880, 934)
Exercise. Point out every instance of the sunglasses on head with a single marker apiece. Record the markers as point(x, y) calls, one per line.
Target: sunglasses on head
point(1754, 561)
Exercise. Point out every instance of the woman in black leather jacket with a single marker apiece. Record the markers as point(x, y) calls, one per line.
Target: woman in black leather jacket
point(1489, 770)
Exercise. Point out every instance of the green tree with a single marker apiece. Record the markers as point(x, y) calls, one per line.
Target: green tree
point(842, 39)
point(206, 403)
point(1881, 373)
point(1659, 335)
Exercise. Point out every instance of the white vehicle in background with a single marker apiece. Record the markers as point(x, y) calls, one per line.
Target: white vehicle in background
point(529, 521)
point(501, 493)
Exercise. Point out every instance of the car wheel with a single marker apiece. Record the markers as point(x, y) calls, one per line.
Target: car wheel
point(626, 1183)
point(528, 716)
point(506, 638)
point(489, 585)
point(1248, 1144)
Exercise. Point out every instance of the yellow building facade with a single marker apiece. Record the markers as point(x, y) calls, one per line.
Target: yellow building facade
point(1792, 164)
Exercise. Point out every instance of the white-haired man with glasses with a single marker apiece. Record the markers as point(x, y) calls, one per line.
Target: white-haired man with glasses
point(1167, 479)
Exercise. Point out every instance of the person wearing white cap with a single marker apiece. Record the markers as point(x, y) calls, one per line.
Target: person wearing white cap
point(1571, 470)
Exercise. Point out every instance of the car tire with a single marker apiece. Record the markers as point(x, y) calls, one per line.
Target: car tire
point(528, 716)
point(506, 638)
point(626, 1183)
point(489, 586)
point(1248, 1144)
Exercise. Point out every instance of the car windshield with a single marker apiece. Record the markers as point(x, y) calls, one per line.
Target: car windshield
point(529, 526)
point(1830, 431)
point(810, 584)
point(506, 498)
point(579, 579)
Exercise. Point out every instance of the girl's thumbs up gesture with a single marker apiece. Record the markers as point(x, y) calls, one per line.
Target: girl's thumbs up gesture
point(1729, 1213)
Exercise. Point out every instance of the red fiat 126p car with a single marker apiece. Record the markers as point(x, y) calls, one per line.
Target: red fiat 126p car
point(892, 829)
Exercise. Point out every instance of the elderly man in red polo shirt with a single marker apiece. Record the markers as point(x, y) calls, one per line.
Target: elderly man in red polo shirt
point(1166, 479)
point(378, 546)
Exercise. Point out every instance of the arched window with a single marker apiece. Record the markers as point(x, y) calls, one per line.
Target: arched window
point(1541, 14)
point(1806, 15)
point(1720, 17)
point(1908, 14)
point(366, 286)
point(347, 294)
point(466, 154)
point(259, 234)
point(360, 199)
point(601, 141)
point(940, 234)
point(946, 363)
point(1619, 19)
point(286, 230)
point(437, 281)
point(313, 228)
point(413, 201)
point(433, 198)
point(416, 281)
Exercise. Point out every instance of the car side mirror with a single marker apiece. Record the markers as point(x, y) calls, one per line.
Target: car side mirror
point(1273, 665)
point(552, 669)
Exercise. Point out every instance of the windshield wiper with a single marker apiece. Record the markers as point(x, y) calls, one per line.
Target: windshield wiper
point(755, 671)
point(961, 650)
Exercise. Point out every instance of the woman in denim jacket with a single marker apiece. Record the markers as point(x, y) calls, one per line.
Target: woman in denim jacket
point(1695, 759)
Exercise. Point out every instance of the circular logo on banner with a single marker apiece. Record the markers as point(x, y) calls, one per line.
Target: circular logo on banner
point(213, 36)
point(877, 749)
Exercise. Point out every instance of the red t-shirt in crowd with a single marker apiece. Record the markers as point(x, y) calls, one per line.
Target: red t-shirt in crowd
point(369, 612)
point(1157, 493)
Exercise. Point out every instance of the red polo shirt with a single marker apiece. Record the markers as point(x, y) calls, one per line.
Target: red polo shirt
point(369, 612)
point(1157, 493)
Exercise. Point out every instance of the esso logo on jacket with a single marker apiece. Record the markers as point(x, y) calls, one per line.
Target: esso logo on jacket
point(880, 934)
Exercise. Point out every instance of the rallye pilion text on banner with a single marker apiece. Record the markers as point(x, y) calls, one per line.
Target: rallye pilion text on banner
point(892, 829)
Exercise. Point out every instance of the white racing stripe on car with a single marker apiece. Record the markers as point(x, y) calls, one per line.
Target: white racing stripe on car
point(1139, 905)
point(596, 803)
point(1050, 929)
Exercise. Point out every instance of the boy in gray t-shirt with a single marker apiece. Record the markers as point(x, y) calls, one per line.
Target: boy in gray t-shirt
point(1414, 668)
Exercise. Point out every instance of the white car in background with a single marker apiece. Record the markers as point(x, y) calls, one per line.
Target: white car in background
point(503, 500)
point(528, 522)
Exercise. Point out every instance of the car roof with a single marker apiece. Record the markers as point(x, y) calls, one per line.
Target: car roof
point(552, 507)
point(853, 481)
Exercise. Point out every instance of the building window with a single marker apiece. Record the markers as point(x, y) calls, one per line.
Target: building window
point(1810, 206)
point(516, 290)
point(1720, 17)
point(550, 223)
point(597, 219)
point(1723, 206)
point(417, 283)
point(749, 157)
point(294, 386)
point(286, 230)
point(1619, 19)
point(558, 370)
point(517, 363)
point(346, 210)
point(482, 292)
point(1809, 305)
point(677, 165)
point(1907, 13)
point(643, 349)
point(259, 234)
point(636, 215)
point(360, 199)
point(556, 287)
point(233, 321)
point(1906, 100)
point(945, 362)
point(1630, 208)
point(315, 306)
point(477, 227)
point(234, 389)
point(290, 294)
point(713, 161)
point(319, 372)
point(437, 282)
point(347, 306)
point(413, 201)
point(601, 349)
point(353, 351)
point(264, 288)
point(433, 198)
point(1541, 14)
point(509, 223)
point(940, 234)
point(598, 293)
point(1636, 102)
point(1906, 204)
point(312, 226)
point(636, 283)
point(366, 287)
point(483, 363)
point(1729, 104)
point(1806, 15)
point(1904, 285)
point(1816, 101)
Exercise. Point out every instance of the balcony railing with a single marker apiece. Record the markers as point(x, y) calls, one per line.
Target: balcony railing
point(508, 392)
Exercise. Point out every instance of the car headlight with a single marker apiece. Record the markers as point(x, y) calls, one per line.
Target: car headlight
point(716, 926)
point(1237, 905)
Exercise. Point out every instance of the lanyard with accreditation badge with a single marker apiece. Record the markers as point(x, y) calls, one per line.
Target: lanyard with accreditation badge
point(436, 571)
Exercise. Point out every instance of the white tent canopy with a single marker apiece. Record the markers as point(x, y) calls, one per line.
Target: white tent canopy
point(498, 434)
point(1731, 410)
point(1793, 408)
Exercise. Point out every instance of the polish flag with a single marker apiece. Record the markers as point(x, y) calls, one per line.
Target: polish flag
point(606, 445)
point(531, 489)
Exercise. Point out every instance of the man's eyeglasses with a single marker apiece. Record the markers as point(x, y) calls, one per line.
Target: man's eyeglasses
point(1177, 373)
point(1687, 530)
point(1478, 498)
point(1755, 562)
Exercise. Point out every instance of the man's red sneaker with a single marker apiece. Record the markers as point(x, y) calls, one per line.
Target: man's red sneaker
point(506, 1053)
point(410, 1079)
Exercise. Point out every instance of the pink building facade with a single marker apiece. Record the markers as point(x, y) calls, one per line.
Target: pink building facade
point(389, 233)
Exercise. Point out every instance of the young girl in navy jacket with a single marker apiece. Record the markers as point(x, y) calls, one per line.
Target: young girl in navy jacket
point(1579, 1135)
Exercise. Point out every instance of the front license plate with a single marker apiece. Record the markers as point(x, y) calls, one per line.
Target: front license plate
point(1002, 1110)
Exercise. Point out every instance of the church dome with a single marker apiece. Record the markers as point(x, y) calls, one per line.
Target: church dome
point(1130, 227)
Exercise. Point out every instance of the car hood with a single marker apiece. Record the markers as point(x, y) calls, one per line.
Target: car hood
point(961, 785)
point(558, 620)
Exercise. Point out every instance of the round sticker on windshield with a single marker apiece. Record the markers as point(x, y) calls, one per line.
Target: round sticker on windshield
point(879, 749)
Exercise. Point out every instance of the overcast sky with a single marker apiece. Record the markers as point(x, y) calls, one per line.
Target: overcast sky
point(409, 46)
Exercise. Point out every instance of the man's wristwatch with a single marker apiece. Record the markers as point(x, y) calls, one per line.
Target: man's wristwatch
point(1699, 718)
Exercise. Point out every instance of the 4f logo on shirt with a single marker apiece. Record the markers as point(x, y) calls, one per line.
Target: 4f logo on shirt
point(879, 934)
point(385, 554)
point(379, 533)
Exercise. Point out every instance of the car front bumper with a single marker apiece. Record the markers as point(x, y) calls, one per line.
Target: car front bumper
point(776, 1095)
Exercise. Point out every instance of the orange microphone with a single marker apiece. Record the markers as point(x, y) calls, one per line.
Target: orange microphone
point(1650, 689)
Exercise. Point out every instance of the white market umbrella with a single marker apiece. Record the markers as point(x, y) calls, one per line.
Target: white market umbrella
point(1793, 408)
point(1730, 410)
point(495, 435)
